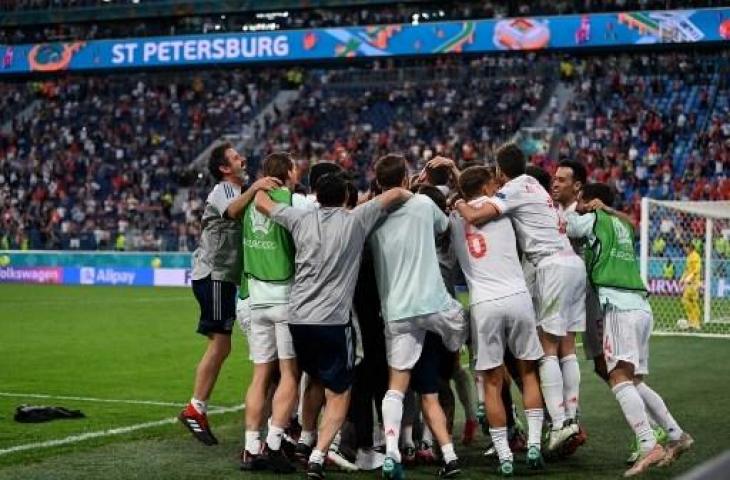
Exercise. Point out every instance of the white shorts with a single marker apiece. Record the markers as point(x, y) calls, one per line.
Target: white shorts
point(593, 336)
point(404, 338)
point(270, 338)
point(505, 322)
point(243, 314)
point(560, 284)
point(626, 338)
point(529, 271)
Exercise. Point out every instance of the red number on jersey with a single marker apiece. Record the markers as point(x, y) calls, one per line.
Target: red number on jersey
point(477, 244)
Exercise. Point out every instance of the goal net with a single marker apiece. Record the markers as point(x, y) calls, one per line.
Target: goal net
point(685, 263)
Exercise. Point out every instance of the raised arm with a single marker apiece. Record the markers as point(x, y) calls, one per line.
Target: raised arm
point(264, 203)
point(236, 208)
point(394, 196)
point(597, 204)
point(477, 216)
point(445, 162)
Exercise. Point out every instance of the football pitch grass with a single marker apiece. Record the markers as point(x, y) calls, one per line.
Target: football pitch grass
point(126, 358)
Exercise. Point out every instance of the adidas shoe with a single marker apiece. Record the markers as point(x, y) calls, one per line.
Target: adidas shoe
point(278, 462)
point(197, 423)
point(646, 461)
point(252, 462)
point(570, 447)
point(661, 438)
point(558, 437)
point(506, 468)
point(315, 471)
point(449, 470)
point(675, 448)
point(392, 470)
point(425, 455)
point(337, 457)
point(302, 453)
point(534, 459)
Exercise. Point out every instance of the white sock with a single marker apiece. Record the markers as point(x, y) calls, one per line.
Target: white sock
point(392, 416)
point(273, 438)
point(499, 439)
point(551, 381)
point(656, 408)
point(535, 417)
point(308, 437)
point(571, 384)
point(336, 441)
point(633, 407)
point(427, 437)
point(465, 391)
point(253, 441)
point(480, 388)
point(407, 436)
point(317, 456)
point(448, 452)
point(199, 405)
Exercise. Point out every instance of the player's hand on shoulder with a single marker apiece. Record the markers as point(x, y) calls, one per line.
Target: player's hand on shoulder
point(595, 204)
point(266, 184)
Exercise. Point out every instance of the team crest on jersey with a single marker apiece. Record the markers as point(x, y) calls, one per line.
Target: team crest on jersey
point(623, 235)
point(260, 223)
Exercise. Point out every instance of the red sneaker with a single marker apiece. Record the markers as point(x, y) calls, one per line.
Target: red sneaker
point(574, 442)
point(470, 432)
point(197, 423)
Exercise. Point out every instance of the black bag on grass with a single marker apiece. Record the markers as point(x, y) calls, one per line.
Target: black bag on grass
point(38, 414)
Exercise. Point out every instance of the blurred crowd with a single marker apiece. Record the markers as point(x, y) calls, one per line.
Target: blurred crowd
point(650, 125)
point(99, 161)
point(457, 108)
point(106, 162)
point(334, 16)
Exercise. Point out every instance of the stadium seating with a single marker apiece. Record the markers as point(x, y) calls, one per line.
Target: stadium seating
point(101, 156)
point(100, 161)
point(643, 124)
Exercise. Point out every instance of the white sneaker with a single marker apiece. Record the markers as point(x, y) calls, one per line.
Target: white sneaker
point(369, 459)
point(675, 448)
point(335, 456)
point(559, 437)
point(646, 461)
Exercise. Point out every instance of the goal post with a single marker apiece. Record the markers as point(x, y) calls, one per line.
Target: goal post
point(685, 264)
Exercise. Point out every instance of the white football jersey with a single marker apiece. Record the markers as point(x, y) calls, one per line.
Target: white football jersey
point(487, 256)
point(534, 217)
point(576, 244)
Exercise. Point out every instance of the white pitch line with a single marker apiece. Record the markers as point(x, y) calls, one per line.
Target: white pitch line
point(91, 399)
point(724, 336)
point(107, 433)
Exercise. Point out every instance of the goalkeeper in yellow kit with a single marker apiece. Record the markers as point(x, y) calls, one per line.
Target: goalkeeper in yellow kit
point(691, 279)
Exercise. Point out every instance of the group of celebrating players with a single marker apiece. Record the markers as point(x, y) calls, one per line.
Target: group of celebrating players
point(348, 305)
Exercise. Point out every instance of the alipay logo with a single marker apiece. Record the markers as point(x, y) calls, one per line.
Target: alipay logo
point(87, 275)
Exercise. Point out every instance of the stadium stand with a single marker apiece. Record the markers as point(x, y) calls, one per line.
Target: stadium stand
point(103, 157)
point(661, 128)
point(652, 126)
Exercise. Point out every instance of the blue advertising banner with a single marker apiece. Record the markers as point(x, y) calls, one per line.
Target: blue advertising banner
point(527, 33)
point(108, 276)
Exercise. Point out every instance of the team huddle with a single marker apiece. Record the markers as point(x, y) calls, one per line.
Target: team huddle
point(355, 333)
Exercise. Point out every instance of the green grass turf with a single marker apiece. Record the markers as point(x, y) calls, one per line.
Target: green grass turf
point(134, 343)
